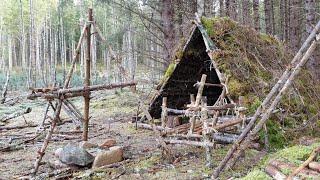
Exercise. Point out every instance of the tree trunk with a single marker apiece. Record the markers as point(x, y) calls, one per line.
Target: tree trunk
point(23, 46)
point(268, 13)
point(221, 8)
point(200, 7)
point(295, 24)
point(314, 62)
point(167, 17)
point(246, 17)
point(256, 15)
point(32, 58)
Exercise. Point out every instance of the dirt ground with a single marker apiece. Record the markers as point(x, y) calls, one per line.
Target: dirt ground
point(111, 115)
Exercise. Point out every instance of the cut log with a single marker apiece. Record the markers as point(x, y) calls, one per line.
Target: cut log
point(150, 127)
point(16, 114)
point(274, 173)
point(314, 166)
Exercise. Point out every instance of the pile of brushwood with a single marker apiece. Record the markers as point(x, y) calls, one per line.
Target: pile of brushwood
point(252, 63)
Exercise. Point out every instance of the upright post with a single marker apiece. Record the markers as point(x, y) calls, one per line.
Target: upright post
point(193, 117)
point(87, 78)
point(205, 130)
point(200, 90)
point(164, 113)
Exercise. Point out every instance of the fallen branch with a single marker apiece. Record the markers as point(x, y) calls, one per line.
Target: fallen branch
point(16, 114)
point(29, 125)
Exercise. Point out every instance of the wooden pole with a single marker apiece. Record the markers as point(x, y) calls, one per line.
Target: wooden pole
point(206, 131)
point(200, 90)
point(87, 78)
point(192, 118)
point(48, 137)
point(164, 113)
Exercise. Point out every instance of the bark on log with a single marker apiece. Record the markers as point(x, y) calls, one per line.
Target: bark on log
point(16, 114)
point(186, 142)
point(78, 91)
point(274, 173)
point(164, 113)
point(150, 127)
point(87, 79)
point(200, 90)
point(221, 138)
point(314, 166)
point(266, 101)
point(48, 138)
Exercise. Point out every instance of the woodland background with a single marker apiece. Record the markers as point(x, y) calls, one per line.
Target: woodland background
point(38, 37)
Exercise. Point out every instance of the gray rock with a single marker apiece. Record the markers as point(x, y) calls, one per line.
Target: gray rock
point(74, 155)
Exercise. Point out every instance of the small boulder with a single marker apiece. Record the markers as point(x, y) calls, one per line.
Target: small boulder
point(87, 145)
point(74, 155)
point(108, 143)
point(113, 155)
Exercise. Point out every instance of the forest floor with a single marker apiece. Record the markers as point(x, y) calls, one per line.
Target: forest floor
point(111, 115)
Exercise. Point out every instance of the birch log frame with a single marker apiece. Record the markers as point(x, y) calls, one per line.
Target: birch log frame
point(78, 91)
point(266, 101)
